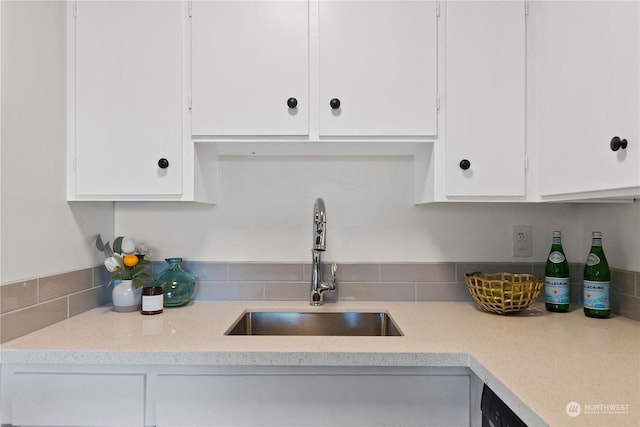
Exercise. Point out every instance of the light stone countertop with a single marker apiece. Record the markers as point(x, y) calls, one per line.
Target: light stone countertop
point(536, 361)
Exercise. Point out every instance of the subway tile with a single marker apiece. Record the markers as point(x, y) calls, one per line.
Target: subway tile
point(89, 299)
point(442, 292)
point(575, 293)
point(538, 269)
point(52, 287)
point(287, 291)
point(623, 282)
point(377, 292)
point(576, 271)
point(244, 272)
point(332, 296)
point(22, 314)
point(417, 272)
point(625, 305)
point(491, 267)
point(22, 322)
point(101, 276)
point(18, 295)
point(360, 272)
point(207, 271)
point(226, 291)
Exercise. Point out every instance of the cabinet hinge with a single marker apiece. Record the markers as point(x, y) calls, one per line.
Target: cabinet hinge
point(437, 104)
point(75, 9)
point(190, 10)
point(190, 105)
point(526, 7)
point(437, 9)
point(526, 163)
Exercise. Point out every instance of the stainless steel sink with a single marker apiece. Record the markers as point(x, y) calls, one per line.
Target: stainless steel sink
point(315, 323)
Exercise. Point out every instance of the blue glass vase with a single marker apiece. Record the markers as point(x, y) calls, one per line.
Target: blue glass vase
point(178, 286)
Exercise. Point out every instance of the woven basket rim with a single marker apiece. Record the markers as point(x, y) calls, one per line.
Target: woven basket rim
point(496, 294)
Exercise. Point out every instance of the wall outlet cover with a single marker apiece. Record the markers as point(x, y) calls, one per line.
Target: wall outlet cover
point(522, 241)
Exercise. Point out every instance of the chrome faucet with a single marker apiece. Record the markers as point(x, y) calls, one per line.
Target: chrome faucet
point(318, 287)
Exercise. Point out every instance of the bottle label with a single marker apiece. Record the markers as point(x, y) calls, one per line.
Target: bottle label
point(592, 260)
point(556, 290)
point(556, 257)
point(596, 295)
point(152, 302)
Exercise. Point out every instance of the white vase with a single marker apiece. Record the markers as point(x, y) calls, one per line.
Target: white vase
point(125, 297)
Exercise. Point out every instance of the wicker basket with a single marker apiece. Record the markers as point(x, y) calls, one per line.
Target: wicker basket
point(504, 292)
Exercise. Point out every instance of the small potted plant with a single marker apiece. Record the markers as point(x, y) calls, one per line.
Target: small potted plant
point(127, 264)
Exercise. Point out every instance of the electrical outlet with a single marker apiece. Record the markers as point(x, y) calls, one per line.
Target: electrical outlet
point(522, 245)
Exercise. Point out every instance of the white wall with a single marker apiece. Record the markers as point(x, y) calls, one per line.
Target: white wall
point(40, 233)
point(620, 226)
point(265, 214)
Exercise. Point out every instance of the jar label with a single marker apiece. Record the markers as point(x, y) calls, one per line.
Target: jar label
point(152, 302)
point(596, 295)
point(556, 257)
point(556, 290)
point(593, 259)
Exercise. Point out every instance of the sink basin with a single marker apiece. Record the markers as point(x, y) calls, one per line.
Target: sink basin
point(315, 323)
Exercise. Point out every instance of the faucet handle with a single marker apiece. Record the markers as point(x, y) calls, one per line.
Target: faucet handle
point(334, 269)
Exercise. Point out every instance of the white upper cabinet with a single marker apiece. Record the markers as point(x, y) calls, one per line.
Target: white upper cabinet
point(588, 83)
point(250, 67)
point(485, 99)
point(126, 99)
point(377, 68)
point(339, 68)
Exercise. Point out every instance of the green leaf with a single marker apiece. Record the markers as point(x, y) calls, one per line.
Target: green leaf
point(99, 244)
point(117, 244)
point(138, 269)
point(137, 282)
point(107, 250)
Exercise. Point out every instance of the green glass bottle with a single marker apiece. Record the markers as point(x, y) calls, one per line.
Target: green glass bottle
point(178, 286)
point(597, 279)
point(556, 277)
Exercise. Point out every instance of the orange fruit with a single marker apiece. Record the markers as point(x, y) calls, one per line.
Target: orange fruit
point(130, 260)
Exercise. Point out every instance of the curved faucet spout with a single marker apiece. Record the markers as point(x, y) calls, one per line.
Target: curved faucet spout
point(318, 287)
point(319, 225)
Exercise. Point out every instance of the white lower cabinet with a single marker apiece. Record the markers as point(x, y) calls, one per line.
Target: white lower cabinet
point(238, 396)
point(312, 399)
point(76, 399)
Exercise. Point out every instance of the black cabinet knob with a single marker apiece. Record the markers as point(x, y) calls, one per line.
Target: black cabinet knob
point(292, 103)
point(334, 103)
point(465, 164)
point(163, 163)
point(617, 143)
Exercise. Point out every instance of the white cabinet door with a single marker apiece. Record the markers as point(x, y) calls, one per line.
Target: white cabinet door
point(485, 98)
point(379, 59)
point(128, 98)
point(589, 92)
point(328, 399)
point(249, 59)
point(77, 399)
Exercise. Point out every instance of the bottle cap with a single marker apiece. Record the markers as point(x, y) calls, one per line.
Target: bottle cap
point(557, 233)
point(596, 234)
